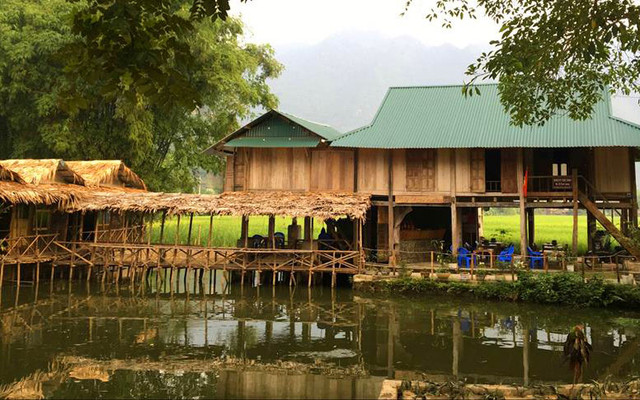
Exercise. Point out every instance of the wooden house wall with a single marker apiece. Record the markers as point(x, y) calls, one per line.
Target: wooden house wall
point(21, 217)
point(277, 169)
point(612, 167)
point(332, 170)
point(414, 171)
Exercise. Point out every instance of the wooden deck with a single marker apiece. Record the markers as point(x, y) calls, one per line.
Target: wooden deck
point(103, 257)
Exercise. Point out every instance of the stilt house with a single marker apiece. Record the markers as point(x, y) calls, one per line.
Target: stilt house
point(432, 160)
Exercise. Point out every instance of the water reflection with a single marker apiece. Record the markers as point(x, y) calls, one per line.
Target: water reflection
point(231, 342)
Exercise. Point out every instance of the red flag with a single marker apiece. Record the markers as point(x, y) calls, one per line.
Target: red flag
point(526, 180)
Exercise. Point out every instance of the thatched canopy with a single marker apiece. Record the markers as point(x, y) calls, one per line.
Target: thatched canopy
point(295, 204)
point(107, 172)
point(43, 171)
point(59, 195)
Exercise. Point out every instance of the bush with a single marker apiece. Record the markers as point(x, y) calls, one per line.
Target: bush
point(560, 288)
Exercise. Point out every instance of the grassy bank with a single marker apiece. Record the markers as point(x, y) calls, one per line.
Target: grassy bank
point(560, 288)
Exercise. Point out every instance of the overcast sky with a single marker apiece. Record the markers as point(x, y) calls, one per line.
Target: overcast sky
point(290, 22)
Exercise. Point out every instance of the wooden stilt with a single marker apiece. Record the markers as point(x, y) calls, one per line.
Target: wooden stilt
point(574, 237)
point(38, 273)
point(1, 277)
point(272, 231)
point(522, 201)
point(210, 230)
point(18, 273)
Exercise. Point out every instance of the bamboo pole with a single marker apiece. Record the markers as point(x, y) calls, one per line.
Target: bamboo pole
point(210, 230)
point(150, 228)
point(574, 181)
point(164, 218)
point(190, 228)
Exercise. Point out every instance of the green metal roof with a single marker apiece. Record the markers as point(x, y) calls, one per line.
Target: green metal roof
point(278, 129)
point(441, 117)
point(326, 131)
point(273, 142)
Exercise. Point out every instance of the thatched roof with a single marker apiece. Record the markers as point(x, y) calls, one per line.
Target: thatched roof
point(59, 195)
point(43, 171)
point(295, 204)
point(9, 176)
point(106, 172)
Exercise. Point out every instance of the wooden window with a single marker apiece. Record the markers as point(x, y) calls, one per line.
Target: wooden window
point(421, 170)
point(42, 220)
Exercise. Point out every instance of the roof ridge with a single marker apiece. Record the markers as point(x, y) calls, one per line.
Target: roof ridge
point(305, 119)
point(442, 86)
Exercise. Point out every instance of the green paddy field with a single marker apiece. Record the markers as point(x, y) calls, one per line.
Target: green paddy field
point(505, 228)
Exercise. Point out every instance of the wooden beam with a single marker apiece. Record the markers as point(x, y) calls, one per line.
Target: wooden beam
point(272, 231)
point(164, 218)
point(574, 236)
point(244, 234)
point(390, 212)
point(210, 230)
point(634, 199)
point(531, 226)
point(190, 228)
point(523, 223)
point(455, 235)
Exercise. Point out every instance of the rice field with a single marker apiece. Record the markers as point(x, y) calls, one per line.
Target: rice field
point(225, 232)
point(505, 228)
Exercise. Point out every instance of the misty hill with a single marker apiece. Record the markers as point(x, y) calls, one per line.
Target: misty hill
point(341, 81)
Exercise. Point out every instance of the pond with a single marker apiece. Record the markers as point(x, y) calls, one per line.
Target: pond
point(79, 341)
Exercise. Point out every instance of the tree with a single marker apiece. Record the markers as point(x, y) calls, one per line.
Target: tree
point(152, 94)
point(553, 56)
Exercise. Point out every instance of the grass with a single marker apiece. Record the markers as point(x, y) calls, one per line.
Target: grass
point(226, 230)
point(505, 228)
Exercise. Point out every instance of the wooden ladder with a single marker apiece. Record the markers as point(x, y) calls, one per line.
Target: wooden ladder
point(624, 241)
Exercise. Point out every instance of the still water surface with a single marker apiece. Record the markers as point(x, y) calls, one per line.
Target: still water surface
point(78, 342)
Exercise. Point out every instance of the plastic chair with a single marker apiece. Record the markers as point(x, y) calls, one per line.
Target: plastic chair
point(279, 238)
point(464, 257)
point(506, 255)
point(535, 258)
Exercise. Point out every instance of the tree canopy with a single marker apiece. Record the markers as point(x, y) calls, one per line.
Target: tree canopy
point(553, 56)
point(151, 82)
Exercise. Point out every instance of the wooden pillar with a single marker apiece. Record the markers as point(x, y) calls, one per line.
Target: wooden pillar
point(574, 236)
point(307, 229)
point(244, 232)
point(164, 218)
point(455, 235)
point(531, 226)
point(210, 230)
point(177, 235)
point(455, 242)
point(523, 224)
point(591, 230)
point(634, 199)
point(95, 229)
point(480, 223)
point(190, 229)
point(272, 231)
point(390, 212)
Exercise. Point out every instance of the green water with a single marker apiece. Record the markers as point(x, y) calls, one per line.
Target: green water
point(122, 342)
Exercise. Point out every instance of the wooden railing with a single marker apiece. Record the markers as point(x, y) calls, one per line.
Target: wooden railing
point(28, 248)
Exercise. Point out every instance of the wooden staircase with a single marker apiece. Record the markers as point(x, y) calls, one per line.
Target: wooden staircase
point(624, 241)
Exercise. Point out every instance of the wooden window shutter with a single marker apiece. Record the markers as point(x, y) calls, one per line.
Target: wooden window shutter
point(421, 170)
point(477, 170)
point(508, 168)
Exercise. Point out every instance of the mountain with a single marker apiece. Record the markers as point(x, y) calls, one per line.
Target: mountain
point(342, 80)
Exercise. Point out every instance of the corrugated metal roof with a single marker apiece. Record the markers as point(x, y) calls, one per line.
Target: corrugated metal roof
point(278, 129)
point(273, 142)
point(441, 117)
point(323, 130)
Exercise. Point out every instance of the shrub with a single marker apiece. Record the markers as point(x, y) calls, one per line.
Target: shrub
point(560, 288)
